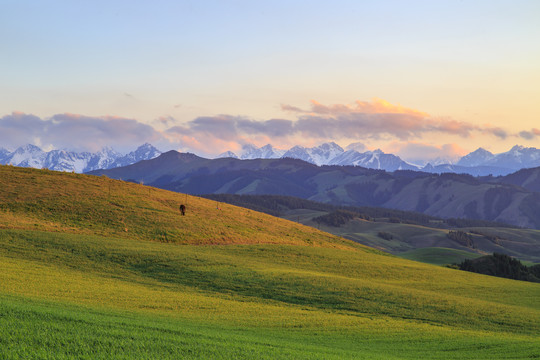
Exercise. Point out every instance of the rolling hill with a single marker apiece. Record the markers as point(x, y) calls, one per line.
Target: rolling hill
point(399, 232)
point(442, 195)
point(94, 268)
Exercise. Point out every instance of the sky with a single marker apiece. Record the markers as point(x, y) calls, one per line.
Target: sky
point(421, 79)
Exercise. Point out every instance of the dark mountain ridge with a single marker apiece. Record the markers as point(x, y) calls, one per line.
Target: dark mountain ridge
point(446, 195)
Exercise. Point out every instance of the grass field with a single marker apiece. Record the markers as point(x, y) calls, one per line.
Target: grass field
point(438, 256)
point(417, 242)
point(228, 284)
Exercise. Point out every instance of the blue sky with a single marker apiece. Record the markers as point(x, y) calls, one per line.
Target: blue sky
point(167, 64)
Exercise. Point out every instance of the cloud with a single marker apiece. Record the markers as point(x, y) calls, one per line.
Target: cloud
point(75, 132)
point(377, 119)
point(421, 153)
point(529, 135)
point(372, 121)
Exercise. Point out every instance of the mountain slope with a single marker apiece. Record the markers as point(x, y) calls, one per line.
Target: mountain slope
point(525, 178)
point(75, 284)
point(445, 195)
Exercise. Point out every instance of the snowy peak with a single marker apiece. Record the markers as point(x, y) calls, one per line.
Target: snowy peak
point(299, 152)
point(372, 159)
point(63, 160)
point(4, 153)
point(518, 157)
point(227, 154)
point(250, 151)
point(26, 156)
point(323, 154)
point(478, 157)
point(328, 154)
point(318, 155)
point(143, 152)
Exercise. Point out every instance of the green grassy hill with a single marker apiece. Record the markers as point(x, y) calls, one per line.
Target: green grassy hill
point(93, 268)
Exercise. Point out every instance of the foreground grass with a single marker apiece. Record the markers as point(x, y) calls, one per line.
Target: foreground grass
point(37, 329)
point(438, 256)
point(94, 268)
point(256, 301)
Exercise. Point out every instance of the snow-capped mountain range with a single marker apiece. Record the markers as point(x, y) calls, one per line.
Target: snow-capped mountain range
point(478, 163)
point(63, 160)
point(327, 154)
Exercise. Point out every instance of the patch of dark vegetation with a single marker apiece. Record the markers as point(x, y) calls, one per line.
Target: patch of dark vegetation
point(462, 238)
point(385, 235)
point(502, 265)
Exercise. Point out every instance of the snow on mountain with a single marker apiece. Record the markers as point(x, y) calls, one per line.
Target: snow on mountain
point(250, 151)
point(63, 160)
point(143, 152)
point(478, 157)
point(298, 152)
point(478, 163)
point(319, 155)
point(324, 153)
point(26, 156)
point(328, 154)
point(441, 161)
point(3, 154)
point(373, 160)
point(518, 157)
point(227, 154)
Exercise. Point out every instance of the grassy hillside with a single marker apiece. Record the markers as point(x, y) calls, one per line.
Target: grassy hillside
point(400, 232)
point(75, 284)
point(445, 195)
point(404, 238)
point(67, 202)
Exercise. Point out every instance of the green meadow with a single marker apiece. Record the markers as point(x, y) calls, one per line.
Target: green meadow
point(93, 268)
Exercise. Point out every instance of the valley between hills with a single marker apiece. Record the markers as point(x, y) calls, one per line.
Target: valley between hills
point(97, 268)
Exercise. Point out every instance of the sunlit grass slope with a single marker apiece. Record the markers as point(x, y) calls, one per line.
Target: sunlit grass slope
point(75, 284)
point(67, 202)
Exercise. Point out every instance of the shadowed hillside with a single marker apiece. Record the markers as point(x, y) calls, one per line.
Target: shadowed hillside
point(445, 195)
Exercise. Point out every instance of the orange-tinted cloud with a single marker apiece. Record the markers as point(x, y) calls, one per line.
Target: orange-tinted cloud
point(376, 119)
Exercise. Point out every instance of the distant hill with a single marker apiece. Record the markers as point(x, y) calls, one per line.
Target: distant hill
point(526, 178)
point(439, 195)
point(402, 233)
